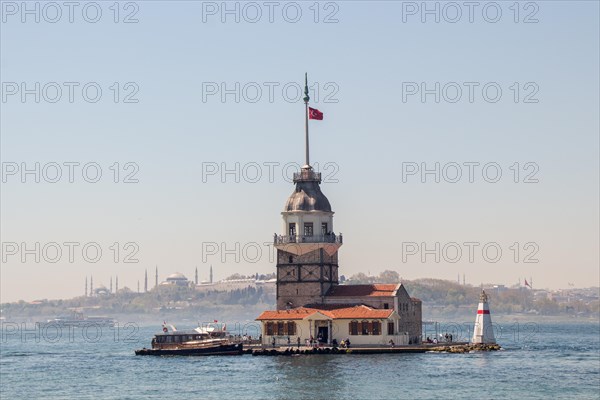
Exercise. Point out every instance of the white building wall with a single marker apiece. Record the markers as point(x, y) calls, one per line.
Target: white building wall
point(299, 218)
point(340, 328)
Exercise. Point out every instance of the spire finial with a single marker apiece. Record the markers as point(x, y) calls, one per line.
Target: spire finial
point(306, 96)
point(306, 99)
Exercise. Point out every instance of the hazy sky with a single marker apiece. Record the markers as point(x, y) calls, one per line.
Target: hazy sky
point(163, 117)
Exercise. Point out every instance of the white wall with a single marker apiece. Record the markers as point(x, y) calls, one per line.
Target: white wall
point(340, 332)
point(299, 218)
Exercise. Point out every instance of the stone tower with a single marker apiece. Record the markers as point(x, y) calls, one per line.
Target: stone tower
point(307, 249)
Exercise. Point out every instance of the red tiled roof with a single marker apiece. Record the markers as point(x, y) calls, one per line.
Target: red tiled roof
point(354, 312)
point(360, 312)
point(376, 289)
point(318, 306)
point(295, 313)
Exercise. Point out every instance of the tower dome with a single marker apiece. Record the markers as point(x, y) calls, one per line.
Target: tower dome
point(308, 195)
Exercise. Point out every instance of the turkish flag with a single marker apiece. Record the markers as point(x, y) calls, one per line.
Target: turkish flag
point(313, 113)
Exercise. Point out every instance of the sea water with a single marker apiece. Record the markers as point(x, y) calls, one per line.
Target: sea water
point(558, 360)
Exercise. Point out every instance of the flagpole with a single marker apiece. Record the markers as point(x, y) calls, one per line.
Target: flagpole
point(306, 99)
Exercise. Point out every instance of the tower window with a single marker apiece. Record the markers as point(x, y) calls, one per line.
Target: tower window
point(291, 259)
point(324, 228)
point(386, 306)
point(292, 229)
point(308, 229)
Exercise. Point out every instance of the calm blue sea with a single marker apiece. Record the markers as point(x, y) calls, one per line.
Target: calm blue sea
point(552, 361)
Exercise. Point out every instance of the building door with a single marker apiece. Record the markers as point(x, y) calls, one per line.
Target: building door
point(323, 334)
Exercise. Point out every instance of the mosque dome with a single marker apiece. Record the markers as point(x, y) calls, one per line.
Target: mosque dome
point(178, 276)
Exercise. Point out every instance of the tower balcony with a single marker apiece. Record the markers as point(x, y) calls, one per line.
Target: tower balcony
point(307, 175)
point(302, 244)
point(330, 238)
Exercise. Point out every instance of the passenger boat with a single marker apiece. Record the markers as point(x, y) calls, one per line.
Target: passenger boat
point(77, 319)
point(209, 340)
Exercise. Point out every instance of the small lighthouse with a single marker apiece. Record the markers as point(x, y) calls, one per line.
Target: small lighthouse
point(483, 332)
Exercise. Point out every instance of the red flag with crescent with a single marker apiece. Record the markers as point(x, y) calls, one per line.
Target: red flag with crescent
point(313, 113)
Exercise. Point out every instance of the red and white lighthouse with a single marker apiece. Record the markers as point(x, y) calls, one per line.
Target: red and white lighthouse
point(483, 332)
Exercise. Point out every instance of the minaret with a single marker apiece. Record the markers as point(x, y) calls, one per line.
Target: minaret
point(483, 331)
point(307, 249)
point(91, 285)
point(145, 281)
point(138, 286)
point(211, 274)
point(85, 292)
point(110, 290)
point(196, 276)
point(156, 277)
point(117, 284)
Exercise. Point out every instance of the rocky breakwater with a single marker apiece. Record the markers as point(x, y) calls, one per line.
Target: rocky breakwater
point(466, 348)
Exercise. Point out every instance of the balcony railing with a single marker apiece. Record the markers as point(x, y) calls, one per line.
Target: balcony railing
point(307, 176)
point(329, 238)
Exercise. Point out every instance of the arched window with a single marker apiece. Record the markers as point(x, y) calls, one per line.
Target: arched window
point(269, 329)
point(280, 328)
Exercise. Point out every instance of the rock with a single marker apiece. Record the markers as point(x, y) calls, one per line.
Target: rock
point(465, 348)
